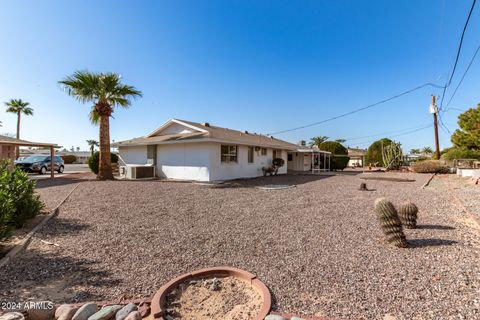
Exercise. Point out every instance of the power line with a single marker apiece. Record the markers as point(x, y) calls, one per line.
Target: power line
point(399, 135)
point(458, 54)
point(463, 77)
point(386, 133)
point(428, 84)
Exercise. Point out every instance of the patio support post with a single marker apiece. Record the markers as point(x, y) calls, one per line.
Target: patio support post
point(52, 163)
point(329, 167)
point(313, 162)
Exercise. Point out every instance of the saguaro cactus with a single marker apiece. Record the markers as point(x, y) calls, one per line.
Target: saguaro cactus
point(408, 214)
point(390, 222)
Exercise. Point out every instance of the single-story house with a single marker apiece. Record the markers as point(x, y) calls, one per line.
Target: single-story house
point(357, 157)
point(186, 150)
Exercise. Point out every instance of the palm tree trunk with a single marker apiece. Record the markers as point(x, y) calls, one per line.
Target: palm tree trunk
point(105, 165)
point(17, 149)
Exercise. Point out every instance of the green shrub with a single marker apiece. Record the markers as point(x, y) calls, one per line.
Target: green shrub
point(374, 152)
point(278, 162)
point(430, 166)
point(338, 162)
point(95, 158)
point(334, 147)
point(6, 212)
point(460, 153)
point(19, 193)
point(69, 158)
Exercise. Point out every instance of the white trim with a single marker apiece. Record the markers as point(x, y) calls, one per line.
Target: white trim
point(166, 124)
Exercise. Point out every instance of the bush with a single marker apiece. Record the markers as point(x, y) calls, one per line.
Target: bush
point(374, 152)
point(430, 166)
point(338, 160)
point(69, 158)
point(6, 212)
point(278, 162)
point(460, 153)
point(338, 163)
point(334, 147)
point(18, 198)
point(93, 161)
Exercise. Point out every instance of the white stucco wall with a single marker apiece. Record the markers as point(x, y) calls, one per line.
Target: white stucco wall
point(186, 161)
point(242, 169)
point(133, 155)
point(201, 161)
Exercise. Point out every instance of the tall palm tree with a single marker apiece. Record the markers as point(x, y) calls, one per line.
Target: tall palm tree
point(92, 144)
point(317, 141)
point(19, 107)
point(106, 92)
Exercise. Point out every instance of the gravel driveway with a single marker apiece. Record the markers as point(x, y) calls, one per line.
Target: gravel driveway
point(317, 246)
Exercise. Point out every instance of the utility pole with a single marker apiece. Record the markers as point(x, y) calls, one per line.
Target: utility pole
point(433, 109)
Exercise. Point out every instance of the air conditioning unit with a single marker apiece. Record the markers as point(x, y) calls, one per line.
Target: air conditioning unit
point(134, 172)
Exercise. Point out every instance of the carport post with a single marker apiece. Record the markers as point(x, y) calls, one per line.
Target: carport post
point(52, 164)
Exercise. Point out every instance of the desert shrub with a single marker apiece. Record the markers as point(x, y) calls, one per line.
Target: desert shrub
point(95, 158)
point(339, 163)
point(430, 166)
point(18, 196)
point(334, 147)
point(69, 158)
point(460, 153)
point(278, 162)
point(419, 159)
point(6, 213)
point(374, 152)
point(339, 159)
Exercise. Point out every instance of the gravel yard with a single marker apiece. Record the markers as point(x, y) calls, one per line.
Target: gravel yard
point(317, 245)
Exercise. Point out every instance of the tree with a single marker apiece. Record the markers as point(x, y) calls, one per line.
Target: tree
point(92, 144)
point(339, 157)
point(415, 151)
point(468, 134)
point(106, 92)
point(374, 153)
point(317, 141)
point(340, 140)
point(18, 107)
point(427, 150)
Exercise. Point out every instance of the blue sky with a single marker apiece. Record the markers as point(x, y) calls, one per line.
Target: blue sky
point(262, 66)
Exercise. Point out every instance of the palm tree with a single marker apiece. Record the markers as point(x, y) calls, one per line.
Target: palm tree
point(340, 140)
point(106, 92)
point(19, 107)
point(427, 150)
point(92, 144)
point(415, 151)
point(317, 141)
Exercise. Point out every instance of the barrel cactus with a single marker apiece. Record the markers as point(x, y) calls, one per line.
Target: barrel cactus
point(408, 214)
point(363, 186)
point(390, 222)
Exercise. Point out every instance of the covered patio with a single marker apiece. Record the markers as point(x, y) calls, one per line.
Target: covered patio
point(311, 160)
point(9, 144)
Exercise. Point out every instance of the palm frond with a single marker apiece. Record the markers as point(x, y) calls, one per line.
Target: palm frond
point(18, 105)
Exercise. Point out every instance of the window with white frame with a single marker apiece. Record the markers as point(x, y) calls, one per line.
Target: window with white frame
point(264, 151)
point(277, 153)
point(250, 154)
point(229, 153)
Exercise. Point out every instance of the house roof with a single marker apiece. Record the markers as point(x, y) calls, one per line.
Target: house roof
point(6, 140)
point(353, 152)
point(207, 132)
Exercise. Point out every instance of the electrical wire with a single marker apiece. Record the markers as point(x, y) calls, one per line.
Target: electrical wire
point(463, 77)
point(447, 84)
point(399, 135)
point(388, 132)
point(428, 84)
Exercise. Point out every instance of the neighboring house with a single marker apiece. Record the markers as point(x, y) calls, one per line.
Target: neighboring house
point(357, 157)
point(7, 151)
point(188, 150)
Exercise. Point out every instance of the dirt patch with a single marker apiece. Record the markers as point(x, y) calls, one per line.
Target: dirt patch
point(226, 298)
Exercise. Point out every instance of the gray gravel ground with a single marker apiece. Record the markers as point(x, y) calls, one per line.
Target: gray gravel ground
point(317, 246)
